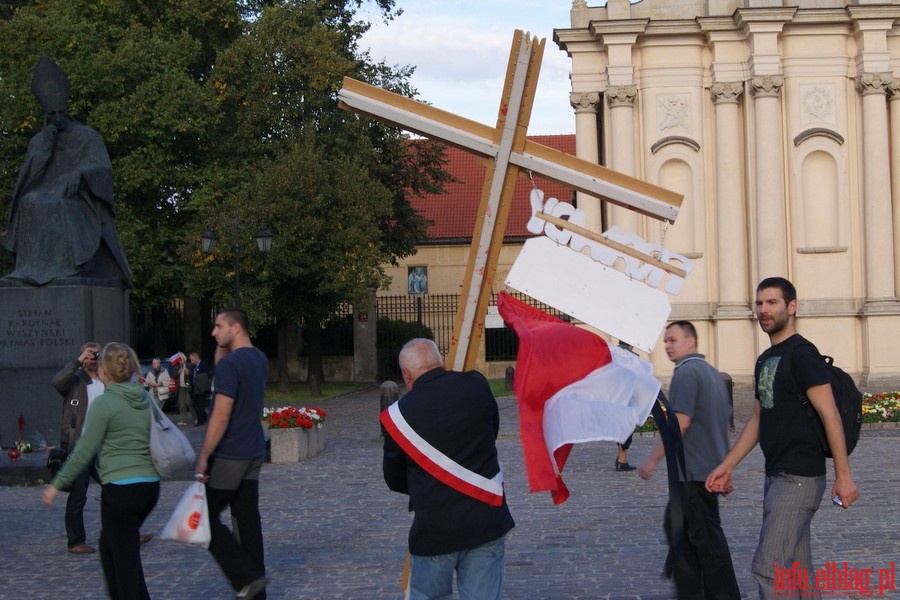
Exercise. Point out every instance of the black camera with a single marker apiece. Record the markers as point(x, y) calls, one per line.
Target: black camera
point(95, 354)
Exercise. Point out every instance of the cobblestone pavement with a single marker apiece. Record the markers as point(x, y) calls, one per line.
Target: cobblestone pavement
point(333, 530)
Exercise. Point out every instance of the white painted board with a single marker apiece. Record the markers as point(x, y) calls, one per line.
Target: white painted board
point(591, 292)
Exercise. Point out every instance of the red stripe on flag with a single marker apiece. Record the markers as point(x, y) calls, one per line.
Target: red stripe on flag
point(552, 354)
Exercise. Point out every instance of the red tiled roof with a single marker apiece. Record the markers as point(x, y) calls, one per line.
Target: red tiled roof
point(453, 212)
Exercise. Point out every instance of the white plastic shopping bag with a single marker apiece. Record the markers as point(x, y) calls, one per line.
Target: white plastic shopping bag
point(190, 521)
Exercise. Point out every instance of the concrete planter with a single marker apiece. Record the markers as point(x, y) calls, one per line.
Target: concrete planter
point(295, 444)
point(289, 445)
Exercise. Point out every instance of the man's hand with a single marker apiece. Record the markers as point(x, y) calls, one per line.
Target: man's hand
point(646, 470)
point(720, 481)
point(86, 356)
point(845, 488)
point(201, 469)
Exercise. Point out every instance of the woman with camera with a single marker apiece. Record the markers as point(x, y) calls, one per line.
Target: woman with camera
point(118, 428)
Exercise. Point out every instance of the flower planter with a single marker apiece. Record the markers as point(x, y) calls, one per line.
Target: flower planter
point(293, 444)
point(289, 445)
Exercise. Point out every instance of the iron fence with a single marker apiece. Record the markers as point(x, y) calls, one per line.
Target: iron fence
point(403, 317)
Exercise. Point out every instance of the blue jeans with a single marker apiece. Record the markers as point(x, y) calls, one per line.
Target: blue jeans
point(479, 573)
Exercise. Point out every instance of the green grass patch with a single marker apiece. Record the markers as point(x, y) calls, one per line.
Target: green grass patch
point(498, 387)
point(299, 393)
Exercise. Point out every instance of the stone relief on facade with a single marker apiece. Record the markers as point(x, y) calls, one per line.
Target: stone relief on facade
point(893, 90)
point(584, 101)
point(622, 95)
point(767, 86)
point(817, 104)
point(727, 91)
point(873, 83)
point(674, 111)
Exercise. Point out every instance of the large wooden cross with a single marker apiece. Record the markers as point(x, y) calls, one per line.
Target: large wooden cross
point(508, 152)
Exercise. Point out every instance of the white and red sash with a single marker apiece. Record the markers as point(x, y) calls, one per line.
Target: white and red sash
point(439, 465)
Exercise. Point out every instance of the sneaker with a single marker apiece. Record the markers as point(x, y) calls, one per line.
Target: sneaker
point(81, 549)
point(253, 588)
point(624, 466)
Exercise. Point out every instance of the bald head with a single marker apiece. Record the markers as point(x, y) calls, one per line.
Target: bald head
point(418, 356)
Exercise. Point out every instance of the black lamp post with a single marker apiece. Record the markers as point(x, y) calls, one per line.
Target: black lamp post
point(263, 237)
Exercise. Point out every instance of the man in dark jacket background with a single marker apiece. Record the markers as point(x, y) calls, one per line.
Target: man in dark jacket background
point(453, 479)
point(199, 383)
point(72, 383)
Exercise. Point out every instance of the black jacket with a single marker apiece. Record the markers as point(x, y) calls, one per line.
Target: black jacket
point(457, 414)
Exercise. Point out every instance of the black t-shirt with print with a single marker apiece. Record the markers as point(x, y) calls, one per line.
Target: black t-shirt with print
point(786, 434)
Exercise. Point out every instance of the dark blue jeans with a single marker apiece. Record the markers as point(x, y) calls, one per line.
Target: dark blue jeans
point(704, 570)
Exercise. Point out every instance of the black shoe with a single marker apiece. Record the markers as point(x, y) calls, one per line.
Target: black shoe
point(253, 588)
point(624, 466)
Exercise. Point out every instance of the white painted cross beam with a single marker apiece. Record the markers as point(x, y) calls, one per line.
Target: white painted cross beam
point(509, 151)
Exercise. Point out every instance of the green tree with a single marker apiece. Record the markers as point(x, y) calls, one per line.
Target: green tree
point(332, 186)
point(223, 114)
point(138, 73)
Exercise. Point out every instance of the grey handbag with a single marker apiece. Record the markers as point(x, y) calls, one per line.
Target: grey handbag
point(172, 453)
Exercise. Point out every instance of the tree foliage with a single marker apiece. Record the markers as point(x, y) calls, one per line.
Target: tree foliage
point(222, 114)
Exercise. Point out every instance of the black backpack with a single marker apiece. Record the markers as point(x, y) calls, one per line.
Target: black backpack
point(848, 399)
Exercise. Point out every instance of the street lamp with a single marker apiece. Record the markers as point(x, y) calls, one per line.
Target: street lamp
point(263, 237)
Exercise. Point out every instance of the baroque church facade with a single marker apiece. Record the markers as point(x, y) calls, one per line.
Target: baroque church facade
point(779, 121)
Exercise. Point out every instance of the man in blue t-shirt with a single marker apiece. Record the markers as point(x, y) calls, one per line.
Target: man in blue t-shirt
point(233, 452)
point(795, 459)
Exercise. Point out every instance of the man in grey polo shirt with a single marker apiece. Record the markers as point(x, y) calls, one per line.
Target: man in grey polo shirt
point(700, 399)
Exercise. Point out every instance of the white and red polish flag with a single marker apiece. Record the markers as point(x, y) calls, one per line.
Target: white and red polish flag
point(571, 386)
point(177, 358)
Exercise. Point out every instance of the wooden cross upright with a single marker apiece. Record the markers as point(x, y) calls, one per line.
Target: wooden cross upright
point(508, 152)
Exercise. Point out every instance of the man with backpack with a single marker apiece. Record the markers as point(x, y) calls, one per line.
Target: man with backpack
point(787, 434)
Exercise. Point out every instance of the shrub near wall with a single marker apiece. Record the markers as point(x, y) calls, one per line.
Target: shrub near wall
point(391, 337)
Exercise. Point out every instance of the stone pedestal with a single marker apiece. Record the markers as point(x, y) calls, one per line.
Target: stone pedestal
point(42, 329)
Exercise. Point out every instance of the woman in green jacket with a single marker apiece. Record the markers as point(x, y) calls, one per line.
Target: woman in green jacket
point(117, 431)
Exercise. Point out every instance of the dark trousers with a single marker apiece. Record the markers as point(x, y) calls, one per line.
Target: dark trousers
point(704, 570)
point(75, 507)
point(242, 561)
point(123, 509)
point(199, 403)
